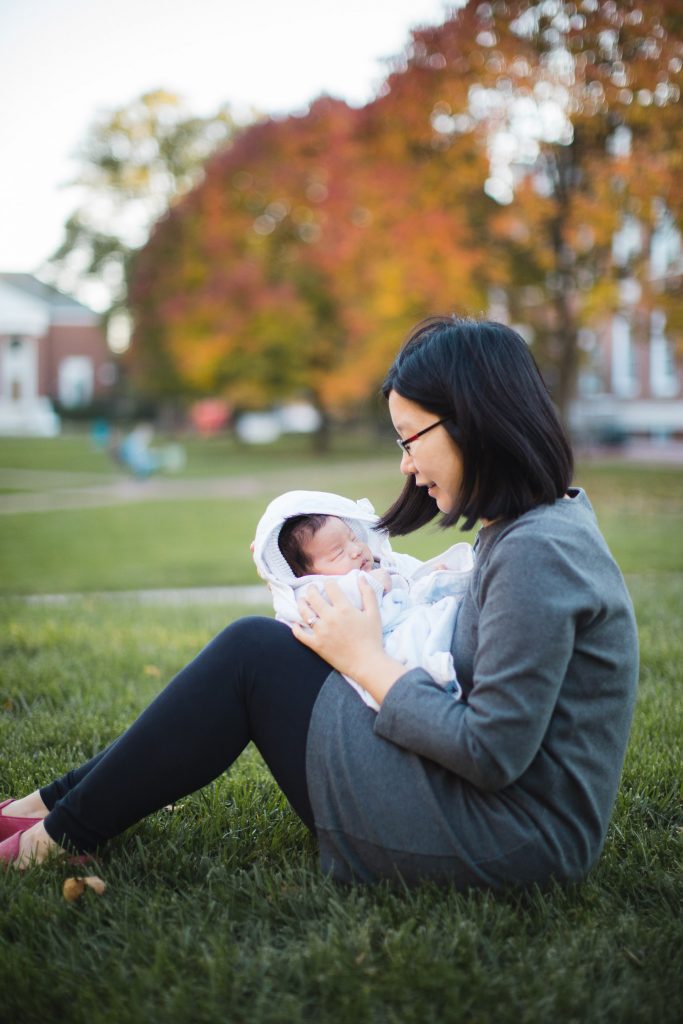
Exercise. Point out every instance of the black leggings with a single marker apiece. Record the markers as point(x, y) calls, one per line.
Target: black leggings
point(254, 681)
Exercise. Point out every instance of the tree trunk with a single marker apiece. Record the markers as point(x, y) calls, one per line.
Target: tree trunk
point(321, 438)
point(565, 327)
point(567, 337)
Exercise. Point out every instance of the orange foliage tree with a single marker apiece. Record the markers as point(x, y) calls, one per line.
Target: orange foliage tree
point(504, 151)
point(298, 263)
point(578, 105)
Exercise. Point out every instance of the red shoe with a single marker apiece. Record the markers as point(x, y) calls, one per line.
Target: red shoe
point(10, 850)
point(9, 824)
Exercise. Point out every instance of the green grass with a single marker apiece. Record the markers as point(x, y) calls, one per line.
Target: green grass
point(205, 542)
point(217, 911)
point(189, 542)
point(214, 456)
point(178, 544)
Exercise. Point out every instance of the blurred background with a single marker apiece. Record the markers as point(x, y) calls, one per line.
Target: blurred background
point(219, 224)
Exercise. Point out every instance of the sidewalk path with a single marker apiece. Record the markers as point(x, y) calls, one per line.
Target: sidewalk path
point(84, 490)
point(52, 490)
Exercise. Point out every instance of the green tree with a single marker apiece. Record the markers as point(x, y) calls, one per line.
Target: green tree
point(135, 162)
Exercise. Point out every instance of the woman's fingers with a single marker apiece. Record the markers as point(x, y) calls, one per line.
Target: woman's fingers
point(303, 634)
point(315, 598)
point(335, 595)
point(311, 605)
point(328, 605)
point(369, 600)
point(347, 637)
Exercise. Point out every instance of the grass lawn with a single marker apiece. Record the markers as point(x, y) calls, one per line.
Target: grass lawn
point(216, 912)
point(205, 542)
point(223, 455)
point(189, 542)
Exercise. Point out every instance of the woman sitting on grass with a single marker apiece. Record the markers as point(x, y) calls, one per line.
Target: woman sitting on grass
point(514, 784)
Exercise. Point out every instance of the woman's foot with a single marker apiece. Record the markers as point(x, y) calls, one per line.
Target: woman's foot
point(32, 846)
point(30, 806)
point(18, 815)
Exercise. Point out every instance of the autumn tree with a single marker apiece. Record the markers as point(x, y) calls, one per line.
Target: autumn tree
point(578, 106)
point(301, 260)
point(506, 150)
point(231, 289)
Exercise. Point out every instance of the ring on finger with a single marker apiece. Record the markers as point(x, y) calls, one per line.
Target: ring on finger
point(312, 621)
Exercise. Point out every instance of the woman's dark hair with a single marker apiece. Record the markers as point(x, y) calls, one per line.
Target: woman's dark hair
point(294, 533)
point(514, 450)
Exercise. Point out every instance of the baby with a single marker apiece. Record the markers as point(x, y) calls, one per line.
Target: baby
point(305, 537)
point(323, 545)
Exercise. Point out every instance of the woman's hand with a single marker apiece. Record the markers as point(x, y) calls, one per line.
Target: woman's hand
point(348, 638)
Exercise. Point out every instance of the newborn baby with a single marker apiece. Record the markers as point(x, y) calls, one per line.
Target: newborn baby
point(305, 537)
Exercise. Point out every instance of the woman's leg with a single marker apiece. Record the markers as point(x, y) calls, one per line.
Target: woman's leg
point(53, 792)
point(38, 803)
point(254, 681)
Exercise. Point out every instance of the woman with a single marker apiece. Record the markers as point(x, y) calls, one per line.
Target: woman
point(512, 786)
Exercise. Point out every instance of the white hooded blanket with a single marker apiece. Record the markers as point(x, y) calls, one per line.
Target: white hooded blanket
point(419, 612)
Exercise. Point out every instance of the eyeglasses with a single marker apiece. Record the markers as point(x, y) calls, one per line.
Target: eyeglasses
point(405, 444)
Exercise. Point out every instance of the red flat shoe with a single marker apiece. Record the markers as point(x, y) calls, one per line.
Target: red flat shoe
point(9, 824)
point(10, 849)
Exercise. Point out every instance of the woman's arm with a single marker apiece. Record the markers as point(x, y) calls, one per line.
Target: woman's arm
point(530, 599)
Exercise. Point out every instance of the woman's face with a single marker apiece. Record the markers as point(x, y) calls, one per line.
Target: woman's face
point(435, 459)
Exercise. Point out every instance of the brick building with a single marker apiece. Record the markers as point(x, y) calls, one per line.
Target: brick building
point(631, 381)
point(52, 349)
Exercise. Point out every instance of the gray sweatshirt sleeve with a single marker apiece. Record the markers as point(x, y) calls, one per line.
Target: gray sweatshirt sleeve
point(531, 600)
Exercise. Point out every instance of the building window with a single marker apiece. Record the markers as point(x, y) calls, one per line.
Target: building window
point(663, 372)
point(665, 247)
point(627, 242)
point(624, 361)
point(18, 369)
point(76, 381)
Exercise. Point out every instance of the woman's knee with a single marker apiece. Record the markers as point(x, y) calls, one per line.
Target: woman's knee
point(253, 632)
point(251, 640)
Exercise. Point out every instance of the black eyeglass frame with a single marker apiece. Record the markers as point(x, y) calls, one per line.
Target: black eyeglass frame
point(404, 444)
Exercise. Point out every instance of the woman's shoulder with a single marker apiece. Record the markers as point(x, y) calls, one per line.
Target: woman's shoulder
point(564, 535)
point(572, 512)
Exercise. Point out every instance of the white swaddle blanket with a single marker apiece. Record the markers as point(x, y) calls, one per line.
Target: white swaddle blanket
point(418, 613)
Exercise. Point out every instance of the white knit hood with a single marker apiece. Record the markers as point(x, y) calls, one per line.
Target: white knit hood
point(360, 516)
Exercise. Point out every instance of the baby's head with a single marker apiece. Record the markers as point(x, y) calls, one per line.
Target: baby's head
point(322, 545)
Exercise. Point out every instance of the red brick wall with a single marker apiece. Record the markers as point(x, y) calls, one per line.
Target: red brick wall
point(63, 340)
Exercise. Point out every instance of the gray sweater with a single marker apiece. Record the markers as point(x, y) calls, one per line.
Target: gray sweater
point(515, 783)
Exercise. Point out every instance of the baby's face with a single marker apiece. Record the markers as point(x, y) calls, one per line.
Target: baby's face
point(335, 550)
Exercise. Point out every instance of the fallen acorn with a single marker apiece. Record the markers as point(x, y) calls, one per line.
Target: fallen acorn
point(74, 888)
